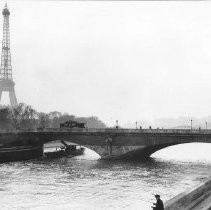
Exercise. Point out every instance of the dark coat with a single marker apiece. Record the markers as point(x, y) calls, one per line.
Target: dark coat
point(159, 205)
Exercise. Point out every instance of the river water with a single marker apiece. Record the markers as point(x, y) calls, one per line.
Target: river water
point(86, 182)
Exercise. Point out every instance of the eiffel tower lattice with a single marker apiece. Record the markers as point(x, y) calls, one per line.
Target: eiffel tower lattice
point(6, 82)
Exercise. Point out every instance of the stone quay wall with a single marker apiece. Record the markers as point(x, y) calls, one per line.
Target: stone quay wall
point(191, 197)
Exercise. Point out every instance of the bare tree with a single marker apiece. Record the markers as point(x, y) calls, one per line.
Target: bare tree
point(43, 120)
point(5, 121)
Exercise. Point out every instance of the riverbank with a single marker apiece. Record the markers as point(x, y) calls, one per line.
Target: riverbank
point(196, 198)
point(204, 205)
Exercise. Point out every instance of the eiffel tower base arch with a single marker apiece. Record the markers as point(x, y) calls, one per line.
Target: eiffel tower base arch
point(7, 85)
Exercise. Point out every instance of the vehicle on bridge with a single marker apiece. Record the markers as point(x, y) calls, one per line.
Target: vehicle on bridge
point(72, 124)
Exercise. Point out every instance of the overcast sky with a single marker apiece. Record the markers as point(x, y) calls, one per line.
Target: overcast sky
point(115, 60)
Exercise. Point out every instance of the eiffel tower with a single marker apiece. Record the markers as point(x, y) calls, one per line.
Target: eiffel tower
point(6, 81)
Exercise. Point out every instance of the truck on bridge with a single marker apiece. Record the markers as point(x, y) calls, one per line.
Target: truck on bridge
point(72, 124)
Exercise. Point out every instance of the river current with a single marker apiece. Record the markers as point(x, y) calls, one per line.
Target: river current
point(85, 182)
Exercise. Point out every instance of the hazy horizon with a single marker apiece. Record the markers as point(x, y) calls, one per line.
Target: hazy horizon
point(126, 61)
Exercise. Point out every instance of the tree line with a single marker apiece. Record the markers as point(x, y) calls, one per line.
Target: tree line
point(24, 116)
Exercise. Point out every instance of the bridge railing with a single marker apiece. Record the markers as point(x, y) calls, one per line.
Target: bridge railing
point(110, 130)
point(114, 130)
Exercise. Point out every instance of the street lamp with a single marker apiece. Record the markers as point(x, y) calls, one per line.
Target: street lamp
point(116, 123)
point(136, 125)
point(206, 125)
point(191, 123)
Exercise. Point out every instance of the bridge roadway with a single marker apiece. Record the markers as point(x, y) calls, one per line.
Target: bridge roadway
point(109, 143)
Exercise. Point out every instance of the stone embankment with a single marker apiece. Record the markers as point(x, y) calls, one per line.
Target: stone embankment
point(197, 198)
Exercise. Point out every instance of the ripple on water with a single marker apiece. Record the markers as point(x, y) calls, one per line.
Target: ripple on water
point(81, 183)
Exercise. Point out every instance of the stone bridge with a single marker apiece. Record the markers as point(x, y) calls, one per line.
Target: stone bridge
point(110, 143)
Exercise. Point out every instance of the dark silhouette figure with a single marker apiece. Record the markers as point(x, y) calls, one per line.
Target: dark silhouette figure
point(158, 204)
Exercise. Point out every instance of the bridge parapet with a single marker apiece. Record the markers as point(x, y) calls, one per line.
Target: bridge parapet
point(111, 130)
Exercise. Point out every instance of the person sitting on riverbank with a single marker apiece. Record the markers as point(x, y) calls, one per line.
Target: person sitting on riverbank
point(159, 204)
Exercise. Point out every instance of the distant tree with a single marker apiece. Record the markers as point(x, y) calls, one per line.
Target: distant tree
point(32, 116)
point(43, 120)
point(54, 114)
point(5, 121)
point(94, 122)
point(16, 116)
point(28, 115)
point(24, 116)
point(54, 119)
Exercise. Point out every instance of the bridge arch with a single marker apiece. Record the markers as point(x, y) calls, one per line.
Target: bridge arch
point(146, 152)
point(185, 151)
point(130, 152)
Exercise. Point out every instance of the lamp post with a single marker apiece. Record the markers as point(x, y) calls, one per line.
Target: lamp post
point(116, 123)
point(206, 125)
point(191, 121)
point(136, 125)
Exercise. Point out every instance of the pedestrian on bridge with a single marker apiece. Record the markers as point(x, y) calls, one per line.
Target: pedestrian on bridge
point(159, 204)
